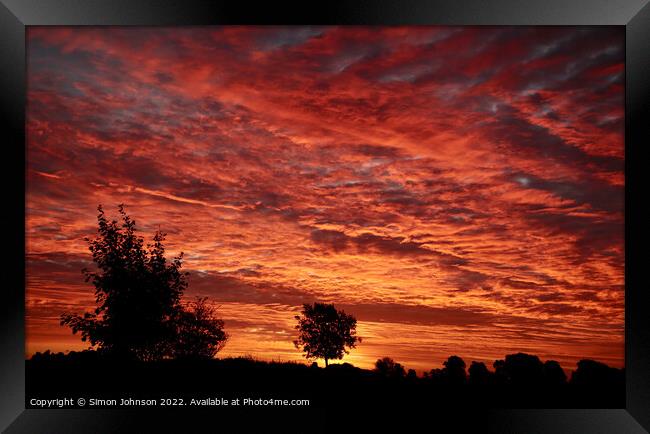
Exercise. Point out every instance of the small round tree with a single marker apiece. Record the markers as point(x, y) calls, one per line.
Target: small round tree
point(325, 333)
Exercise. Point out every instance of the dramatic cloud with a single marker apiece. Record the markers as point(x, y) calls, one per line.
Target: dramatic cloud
point(460, 190)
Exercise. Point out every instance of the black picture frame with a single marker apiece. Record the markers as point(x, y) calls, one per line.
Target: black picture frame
point(15, 15)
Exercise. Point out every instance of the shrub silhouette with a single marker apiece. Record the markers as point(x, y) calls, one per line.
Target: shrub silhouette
point(139, 314)
point(199, 333)
point(324, 332)
point(435, 375)
point(386, 367)
point(411, 375)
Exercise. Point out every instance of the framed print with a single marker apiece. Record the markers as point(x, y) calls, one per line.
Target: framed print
point(425, 209)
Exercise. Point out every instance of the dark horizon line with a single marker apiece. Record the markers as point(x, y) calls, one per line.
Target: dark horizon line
point(332, 362)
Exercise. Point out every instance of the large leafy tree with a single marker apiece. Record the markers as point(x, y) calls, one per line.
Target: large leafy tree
point(139, 314)
point(325, 332)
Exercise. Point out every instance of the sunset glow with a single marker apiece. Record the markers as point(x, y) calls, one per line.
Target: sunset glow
point(458, 189)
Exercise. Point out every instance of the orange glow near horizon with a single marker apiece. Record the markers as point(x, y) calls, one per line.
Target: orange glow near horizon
point(458, 189)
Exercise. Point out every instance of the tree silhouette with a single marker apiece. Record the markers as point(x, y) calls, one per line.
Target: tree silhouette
point(553, 373)
point(524, 369)
point(138, 294)
point(479, 373)
point(455, 370)
point(500, 373)
point(592, 373)
point(324, 332)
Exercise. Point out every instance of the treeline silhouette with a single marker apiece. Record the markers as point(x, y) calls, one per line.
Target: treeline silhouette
point(517, 381)
point(146, 341)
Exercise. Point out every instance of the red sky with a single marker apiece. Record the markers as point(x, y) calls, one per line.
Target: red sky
point(458, 189)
